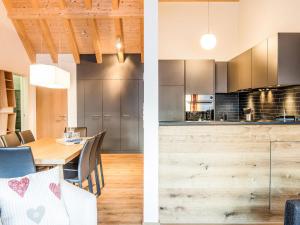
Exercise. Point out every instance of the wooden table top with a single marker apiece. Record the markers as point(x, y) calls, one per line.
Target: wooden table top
point(47, 152)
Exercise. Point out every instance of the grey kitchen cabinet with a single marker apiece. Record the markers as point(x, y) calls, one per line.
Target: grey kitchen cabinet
point(272, 60)
point(93, 106)
point(200, 77)
point(111, 114)
point(233, 77)
point(80, 103)
point(244, 67)
point(141, 115)
point(240, 72)
point(221, 77)
point(260, 65)
point(171, 72)
point(171, 103)
point(288, 59)
point(129, 115)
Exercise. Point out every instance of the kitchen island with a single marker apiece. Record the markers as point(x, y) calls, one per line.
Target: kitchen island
point(220, 172)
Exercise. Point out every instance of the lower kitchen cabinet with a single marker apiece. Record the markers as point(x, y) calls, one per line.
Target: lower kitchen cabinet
point(171, 103)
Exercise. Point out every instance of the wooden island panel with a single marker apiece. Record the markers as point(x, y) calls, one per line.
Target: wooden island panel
point(285, 174)
point(218, 174)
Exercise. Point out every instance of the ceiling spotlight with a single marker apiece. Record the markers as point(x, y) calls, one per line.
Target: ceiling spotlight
point(118, 44)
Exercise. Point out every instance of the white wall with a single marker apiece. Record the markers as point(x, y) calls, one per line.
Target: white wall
point(259, 19)
point(13, 56)
point(181, 26)
point(151, 113)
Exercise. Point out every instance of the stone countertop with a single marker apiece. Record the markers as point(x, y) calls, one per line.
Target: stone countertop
point(209, 123)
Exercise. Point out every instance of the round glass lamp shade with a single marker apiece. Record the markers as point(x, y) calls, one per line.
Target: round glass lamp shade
point(208, 41)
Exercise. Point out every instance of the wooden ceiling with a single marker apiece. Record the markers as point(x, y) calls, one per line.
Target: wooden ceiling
point(78, 27)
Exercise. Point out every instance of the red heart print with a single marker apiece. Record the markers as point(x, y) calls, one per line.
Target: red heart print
point(19, 186)
point(55, 188)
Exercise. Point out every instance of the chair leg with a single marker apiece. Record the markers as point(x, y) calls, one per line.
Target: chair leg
point(101, 170)
point(97, 181)
point(90, 184)
point(80, 184)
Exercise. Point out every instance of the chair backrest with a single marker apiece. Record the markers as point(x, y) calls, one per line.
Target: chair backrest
point(81, 130)
point(93, 156)
point(100, 143)
point(1, 143)
point(11, 140)
point(26, 136)
point(16, 162)
point(84, 159)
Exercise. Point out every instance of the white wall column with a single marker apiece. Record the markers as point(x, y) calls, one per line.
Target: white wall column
point(151, 155)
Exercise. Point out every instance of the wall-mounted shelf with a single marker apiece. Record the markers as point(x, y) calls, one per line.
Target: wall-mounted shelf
point(7, 103)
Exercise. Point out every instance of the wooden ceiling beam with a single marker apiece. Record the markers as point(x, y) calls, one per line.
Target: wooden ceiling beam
point(73, 13)
point(71, 35)
point(142, 40)
point(88, 4)
point(142, 33)
point(186, 1)
point(96, 39)
point(115, 4)
point(20, 29)
point(44, 28)
point(119, 37)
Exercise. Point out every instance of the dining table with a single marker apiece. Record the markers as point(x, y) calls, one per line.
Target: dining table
point(49, 152)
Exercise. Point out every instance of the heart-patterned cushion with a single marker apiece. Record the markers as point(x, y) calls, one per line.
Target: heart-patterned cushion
point(19, 186)
point(55, 188)
point(33, 199)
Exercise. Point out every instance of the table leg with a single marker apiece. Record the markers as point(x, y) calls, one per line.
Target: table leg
point(61, 171)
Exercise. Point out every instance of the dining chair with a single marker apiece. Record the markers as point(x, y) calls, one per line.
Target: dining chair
point(16, 162)
point(81, 130)
point(82, 172)
point(1, 143)
point(11, 140)
point(26, 136)
point(99, 157)
point(93, 162)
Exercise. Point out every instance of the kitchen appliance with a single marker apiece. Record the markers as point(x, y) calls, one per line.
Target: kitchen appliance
point(248, 113)
point(199, 107)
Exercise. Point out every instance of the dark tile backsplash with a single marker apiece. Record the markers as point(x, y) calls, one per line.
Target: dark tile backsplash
point(228, 105)
point(271, 103)
point(266, 104)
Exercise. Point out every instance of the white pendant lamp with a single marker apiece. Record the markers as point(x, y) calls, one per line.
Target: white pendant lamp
point(208, 41)
point(49, 76)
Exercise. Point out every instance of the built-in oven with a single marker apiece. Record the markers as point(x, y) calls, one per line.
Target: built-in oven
point(199, 107)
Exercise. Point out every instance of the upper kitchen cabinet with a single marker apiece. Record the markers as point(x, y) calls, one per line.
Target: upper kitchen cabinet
point(171, 72)
point(260, 65)
point(200, 77)
point(240, 70)
point(221, 77)
point(284, 59)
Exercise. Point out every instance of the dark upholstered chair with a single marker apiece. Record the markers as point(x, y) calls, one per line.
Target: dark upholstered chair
point(16, 162)
point(26, 136)
point(99, 158)
point(93, 162)
point(82, 172)
point(292, 212)
point(81, 130)
point(11, 140)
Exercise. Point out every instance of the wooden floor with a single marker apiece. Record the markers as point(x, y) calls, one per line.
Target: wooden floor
point(121, 201)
